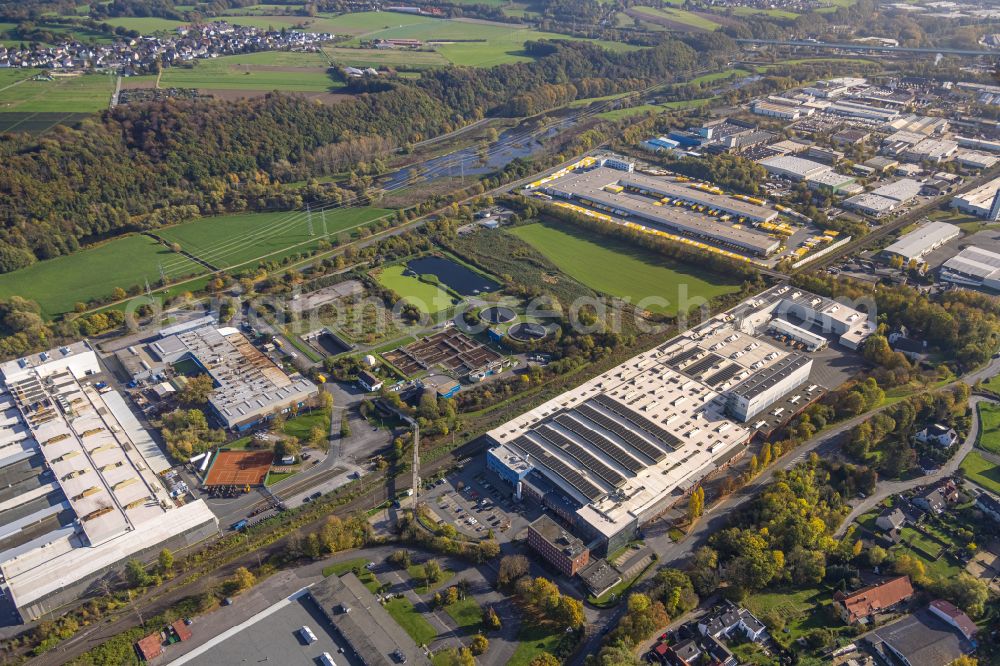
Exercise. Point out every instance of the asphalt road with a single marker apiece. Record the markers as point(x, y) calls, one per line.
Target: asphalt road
point(716, 517)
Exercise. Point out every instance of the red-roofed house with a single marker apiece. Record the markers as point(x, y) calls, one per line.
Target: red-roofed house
point(181, 630)
point(954, 616)
point(860, 606)
point(150, 647)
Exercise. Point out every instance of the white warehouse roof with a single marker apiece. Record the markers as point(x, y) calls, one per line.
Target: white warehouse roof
point(922, 240)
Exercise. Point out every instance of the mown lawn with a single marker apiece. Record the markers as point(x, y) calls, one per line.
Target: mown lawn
point(465, 613)
point(989, 432)
point(534, 639)
point(626, 271)
point(980, 470)
point(301, 426)
point(427, 298)
point(412, 622)
point(341, 568)
point(57, 284)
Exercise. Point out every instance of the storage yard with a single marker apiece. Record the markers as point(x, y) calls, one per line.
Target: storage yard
point(691, 212)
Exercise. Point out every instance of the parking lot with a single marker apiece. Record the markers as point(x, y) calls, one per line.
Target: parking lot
point(474, 502)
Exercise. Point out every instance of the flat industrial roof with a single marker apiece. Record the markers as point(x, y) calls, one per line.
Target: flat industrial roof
point(923, 239)
point(91, 460)
point(588, 188)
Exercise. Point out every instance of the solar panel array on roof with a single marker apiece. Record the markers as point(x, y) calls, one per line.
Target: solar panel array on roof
point(665, 439)
point(571, 476)
point(601, 442)
point(724, 375)
point(630, 437)
point(701, 365)
point(684, 356)
point(571, 448)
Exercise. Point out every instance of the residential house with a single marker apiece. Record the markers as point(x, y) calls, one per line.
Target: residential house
point(368, 381)
point(931, 501)
point(685, 653)
point(862, 606)
point(891, 519)
point(729, 620)
point(939, 435)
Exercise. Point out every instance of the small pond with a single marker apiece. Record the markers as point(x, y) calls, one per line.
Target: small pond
point(457, 277)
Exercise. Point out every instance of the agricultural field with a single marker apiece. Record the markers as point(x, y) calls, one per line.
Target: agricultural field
point(85, 93)
point(462, 42)
point(377, 58)
point(228, 240)
point(268, 70)
point(427, 298)
point(981, 471)
point(627, 271)
point(775, 13)
point(147, 25)
point(681, 17)
point(989, 432)
point(58, 284)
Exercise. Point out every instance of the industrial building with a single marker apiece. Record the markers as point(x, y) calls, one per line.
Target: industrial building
point(346, 626)
point(931, 150)
point(885, 199)
point(668, 205)
point(81, 488)
point(830, 182)
point(926, 238)
point(249, 386)
point(622, 448)
point(973, 267)
point(793, 168)
point(557, 546)
point(982, 201)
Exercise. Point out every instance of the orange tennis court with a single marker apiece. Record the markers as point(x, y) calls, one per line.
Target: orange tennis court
point(242, 468)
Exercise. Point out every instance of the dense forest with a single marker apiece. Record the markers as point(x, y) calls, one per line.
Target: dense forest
point(131, 167)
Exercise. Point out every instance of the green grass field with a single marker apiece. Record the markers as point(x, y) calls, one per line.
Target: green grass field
point(680, 16)
point(776, 13)
point(341, 568)
point(801, 609)
point(57, 284)
point(989, 433)
point(268, 70)
point(724, 74)
point(233, 239)
point(428, 298)
point(533, 640)
point(626, 271)
point(79, 94)
point(147, 25)
point(466, 613)
point(917, 540)
point(385, 58)
point(301, 426)
point(412, 622)
point(980, 470)
point(493, 44)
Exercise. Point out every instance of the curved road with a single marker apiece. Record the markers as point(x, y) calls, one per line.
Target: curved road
point(887, 489)
point(716, 517)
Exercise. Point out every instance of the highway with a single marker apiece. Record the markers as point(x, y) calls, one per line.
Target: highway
point(824, 46)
